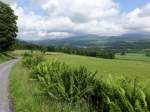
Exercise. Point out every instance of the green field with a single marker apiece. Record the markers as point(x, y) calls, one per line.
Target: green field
point(131, 69)
point(23, 90)
point(133, 56)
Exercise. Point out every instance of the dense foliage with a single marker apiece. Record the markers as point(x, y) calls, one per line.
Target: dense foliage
point(62, 83)
point(31, 60)
point(93, 52)
point(8, 27)
point(147, 53)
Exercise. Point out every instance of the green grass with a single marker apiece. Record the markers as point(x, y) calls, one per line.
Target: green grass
point(133, 56)
point(24, 91)
point(5, 57)
point(21, 90)
point(127, 68)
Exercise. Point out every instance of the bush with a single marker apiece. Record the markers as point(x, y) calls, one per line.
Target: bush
point(111, 95)
point(147, 54)
point(122, 53)
point(106, 54)
point(60, 82)
point(31, 60)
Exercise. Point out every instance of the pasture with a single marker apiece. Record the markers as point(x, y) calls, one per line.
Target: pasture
point(116, 67)
point(133, 56)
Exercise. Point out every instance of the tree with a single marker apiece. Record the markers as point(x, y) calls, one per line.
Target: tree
point(8, 27)
point(147, 53)
point(122, 53)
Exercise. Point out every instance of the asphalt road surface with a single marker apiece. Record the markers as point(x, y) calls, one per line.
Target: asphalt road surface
point(5, 105)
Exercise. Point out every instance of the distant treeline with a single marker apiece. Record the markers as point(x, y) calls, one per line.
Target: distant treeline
point(93, 52)
point(107, 52)
point(141, 46)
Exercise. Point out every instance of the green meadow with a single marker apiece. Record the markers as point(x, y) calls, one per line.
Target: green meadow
point(116, 67)
point(134, 56)
point(25, 91)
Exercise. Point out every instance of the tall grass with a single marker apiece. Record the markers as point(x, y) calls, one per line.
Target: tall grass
point(78, 90)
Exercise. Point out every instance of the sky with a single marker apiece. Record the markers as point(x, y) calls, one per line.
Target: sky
point(42, 19)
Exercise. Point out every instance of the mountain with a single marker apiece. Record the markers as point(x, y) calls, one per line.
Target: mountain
point(93, 40)
point(132, 37)
point(78, 41)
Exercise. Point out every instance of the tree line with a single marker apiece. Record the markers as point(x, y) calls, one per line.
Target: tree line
point(8, 27)
point(93, 52)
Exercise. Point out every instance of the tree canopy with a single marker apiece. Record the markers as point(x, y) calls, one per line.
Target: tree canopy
point(8, 27)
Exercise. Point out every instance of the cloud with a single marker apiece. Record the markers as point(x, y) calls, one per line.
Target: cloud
point(138, 20)
point(66, 18)
point(9, 1)
point(81, 10)
point(63, 18)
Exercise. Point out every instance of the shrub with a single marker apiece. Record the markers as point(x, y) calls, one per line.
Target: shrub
point(27, 54)
point(31, 60)
point(147, 54)
point(60, 82)
point(122, 53)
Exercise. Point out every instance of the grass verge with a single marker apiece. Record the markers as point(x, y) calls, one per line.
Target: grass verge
point(23, 92)
point(5, 57)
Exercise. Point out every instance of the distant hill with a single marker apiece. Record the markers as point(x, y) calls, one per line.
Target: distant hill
point(77, 41)
point(133, 37)
point(94, 40)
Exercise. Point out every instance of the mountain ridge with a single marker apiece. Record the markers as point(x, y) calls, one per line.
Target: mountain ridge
point(92, 40)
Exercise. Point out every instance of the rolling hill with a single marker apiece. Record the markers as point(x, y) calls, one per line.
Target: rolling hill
point(93, 40)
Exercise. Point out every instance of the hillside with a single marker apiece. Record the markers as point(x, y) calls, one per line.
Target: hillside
point(93, 40)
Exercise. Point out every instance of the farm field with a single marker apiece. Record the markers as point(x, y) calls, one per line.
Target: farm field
point(134, 56)
point(128, 68)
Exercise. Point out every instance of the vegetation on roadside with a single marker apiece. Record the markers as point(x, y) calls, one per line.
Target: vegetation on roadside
point(5, 57)
point(49, 84)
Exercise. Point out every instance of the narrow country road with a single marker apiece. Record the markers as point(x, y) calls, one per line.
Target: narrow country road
point(4, 78)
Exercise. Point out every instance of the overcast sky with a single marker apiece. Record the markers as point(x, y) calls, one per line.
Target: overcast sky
point(41, 19)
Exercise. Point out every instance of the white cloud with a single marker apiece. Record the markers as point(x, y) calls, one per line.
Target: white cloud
point(138, 19)
point(63, 18)
point(81, 10)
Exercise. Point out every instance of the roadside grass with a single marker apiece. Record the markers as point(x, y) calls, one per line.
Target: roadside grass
point(5, 57)
point(23, 91)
